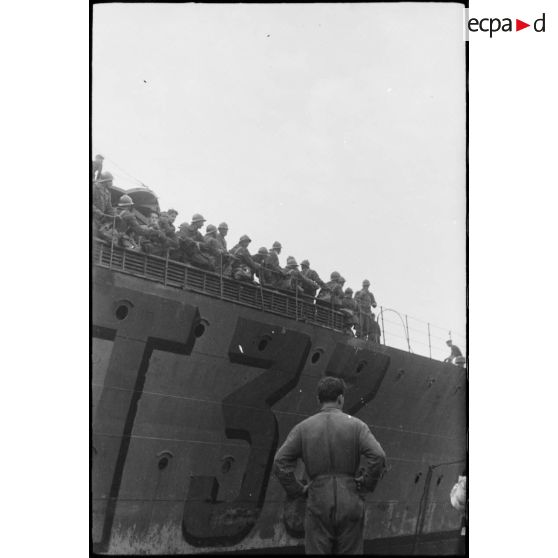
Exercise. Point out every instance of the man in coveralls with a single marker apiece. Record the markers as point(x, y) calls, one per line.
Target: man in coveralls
point(331, 444)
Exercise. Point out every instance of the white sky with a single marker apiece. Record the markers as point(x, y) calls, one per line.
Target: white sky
point(337, 129)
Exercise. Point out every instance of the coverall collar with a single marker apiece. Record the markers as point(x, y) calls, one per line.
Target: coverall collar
point(330, 409)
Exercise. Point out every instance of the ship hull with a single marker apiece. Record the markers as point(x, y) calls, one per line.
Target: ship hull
point(191, 397)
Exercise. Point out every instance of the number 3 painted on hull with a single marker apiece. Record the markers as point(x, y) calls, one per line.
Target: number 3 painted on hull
point(248, 416)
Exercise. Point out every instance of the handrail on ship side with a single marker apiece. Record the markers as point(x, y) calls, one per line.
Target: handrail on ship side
point(183, 276)
point(298, 306)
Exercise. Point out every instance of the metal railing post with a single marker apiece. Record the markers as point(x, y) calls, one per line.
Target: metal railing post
point(166, 270)
point(408, 334)
point(262, 295)
point(111, 252)
point(429, 342)
point(221, 275)
point(112, 238)
point(383, 326)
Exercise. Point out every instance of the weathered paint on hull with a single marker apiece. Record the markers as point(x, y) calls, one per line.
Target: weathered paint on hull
point(192, 395)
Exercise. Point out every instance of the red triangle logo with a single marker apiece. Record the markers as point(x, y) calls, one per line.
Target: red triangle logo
point(519, 25)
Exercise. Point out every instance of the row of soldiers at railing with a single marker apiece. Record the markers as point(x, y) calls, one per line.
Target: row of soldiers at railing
point(121, 227)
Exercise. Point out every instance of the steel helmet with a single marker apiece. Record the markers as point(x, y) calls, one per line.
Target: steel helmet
point(224, 226)
point(210, 229)
point(245, 238)
point(125, 201)
point(334, 276)
point(197, 217)
point(184, 225)
point(348, 290)
point(342, 279)
point(305, 263)
point(263, 251)
point(277, 244)
point(172, 211)
point(366, 282)
point(291, 262)
point(99, 157)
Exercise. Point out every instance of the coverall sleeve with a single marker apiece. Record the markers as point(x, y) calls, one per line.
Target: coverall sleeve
point(375, 458)
point(285, 463)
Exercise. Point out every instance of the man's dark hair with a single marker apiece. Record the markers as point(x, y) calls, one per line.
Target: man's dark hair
point(330, 388)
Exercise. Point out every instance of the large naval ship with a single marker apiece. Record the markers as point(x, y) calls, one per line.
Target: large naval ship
point(198, 378)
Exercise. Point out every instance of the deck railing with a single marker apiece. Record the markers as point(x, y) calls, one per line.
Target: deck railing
point(182, 276)
point(419, 337)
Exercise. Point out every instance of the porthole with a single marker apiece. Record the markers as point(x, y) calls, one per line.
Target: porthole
point(200, 328)
point(122, 309)
point(226, 463)
point(121, 312)
point(315, 357)
point(164, 459)
point(264, 342)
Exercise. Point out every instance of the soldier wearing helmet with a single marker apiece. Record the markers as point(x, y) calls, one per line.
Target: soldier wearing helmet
point(222, 231)
point(291, 263)
point(331, 294)
point(455, 352)
point(166, 226)
point(365, 301)
point(97, 166)
point(192, 248)
point(295, 280)
point(192, 231)
point(260, 259)
point(243, 266)
point(274, 275)
point(291, 279)
point(154, 243)
point(313, 281)
point(128, 227)
point(103, 212)
point(214, 250)
point(261, 255)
